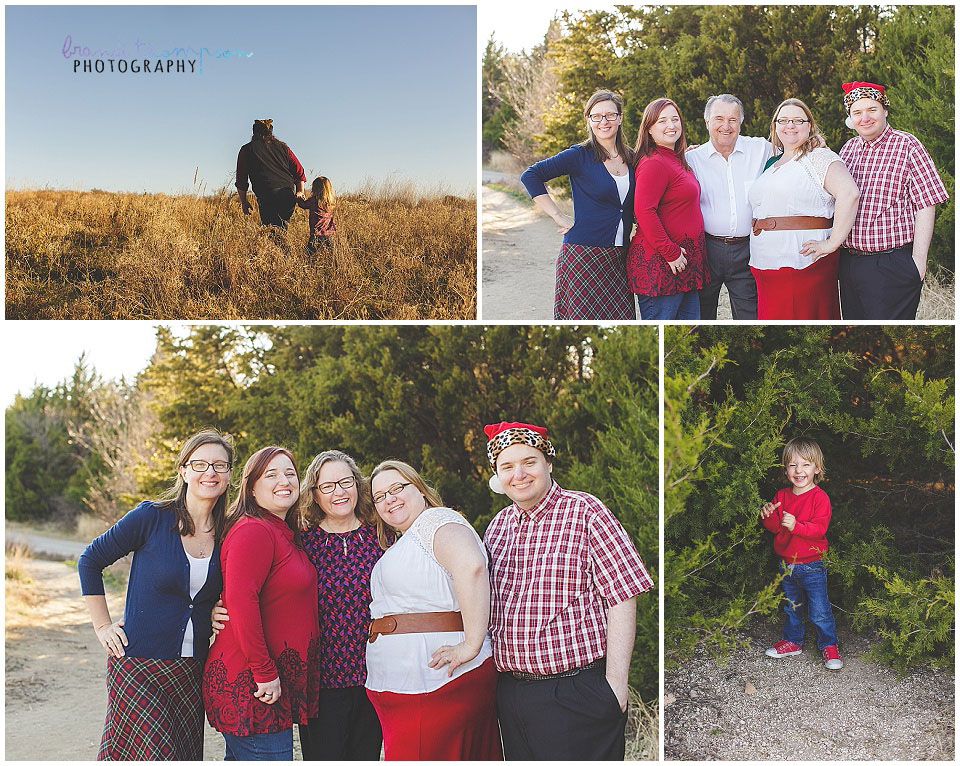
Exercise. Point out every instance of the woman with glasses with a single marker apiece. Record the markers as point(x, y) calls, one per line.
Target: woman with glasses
point(666, 262)
point(261, 674)
point(430, 670)
point(804, 205)
point(591, 278)
point(156, 651)
point(341, 539)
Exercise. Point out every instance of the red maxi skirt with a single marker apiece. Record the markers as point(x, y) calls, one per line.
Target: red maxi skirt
point(810, 293)
point(457, 722)
point(154, 710)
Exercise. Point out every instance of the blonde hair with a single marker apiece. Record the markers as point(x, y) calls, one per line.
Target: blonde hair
point(409, 473)
point(808, 449)
point(816, 139)
point(322, 191)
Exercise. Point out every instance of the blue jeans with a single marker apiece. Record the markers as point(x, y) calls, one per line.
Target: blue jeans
point(680, 306)
point(276, 746)
point(808, 583)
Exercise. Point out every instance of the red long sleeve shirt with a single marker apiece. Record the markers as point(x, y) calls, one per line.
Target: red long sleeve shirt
point(807, 542)
point(270, 592)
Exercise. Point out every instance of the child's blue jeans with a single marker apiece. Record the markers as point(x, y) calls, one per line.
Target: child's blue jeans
point(807, 584)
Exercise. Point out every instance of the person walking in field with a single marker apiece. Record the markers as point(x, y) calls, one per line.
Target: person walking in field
point(564, 578)
point(274, 172)
point(320, 206)
point(798, 517)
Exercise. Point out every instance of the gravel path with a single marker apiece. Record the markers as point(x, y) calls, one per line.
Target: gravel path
point(756, 708)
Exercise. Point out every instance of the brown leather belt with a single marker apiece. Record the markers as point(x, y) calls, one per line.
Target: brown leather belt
point(416, 622)
point(727, 240)
point(791, 223)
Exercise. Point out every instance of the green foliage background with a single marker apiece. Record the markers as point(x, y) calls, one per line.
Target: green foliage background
point(419, 393)
point(763, 54)
point(879, 400)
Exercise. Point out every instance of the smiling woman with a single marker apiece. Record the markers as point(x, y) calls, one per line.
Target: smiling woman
point(261, 675)
point(156, 650)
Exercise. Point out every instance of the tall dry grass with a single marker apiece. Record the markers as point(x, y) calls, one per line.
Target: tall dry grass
point(643, 729)
point(97, 255)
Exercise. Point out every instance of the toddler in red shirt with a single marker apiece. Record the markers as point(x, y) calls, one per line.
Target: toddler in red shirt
point(798, 517)
point(320, 205)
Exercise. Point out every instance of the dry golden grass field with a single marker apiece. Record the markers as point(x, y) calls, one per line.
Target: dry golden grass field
point(100, 255)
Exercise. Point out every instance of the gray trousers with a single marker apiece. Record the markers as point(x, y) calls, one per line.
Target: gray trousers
point(729, 265)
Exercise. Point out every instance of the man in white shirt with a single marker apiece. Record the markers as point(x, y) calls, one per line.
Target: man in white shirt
point(726, 166)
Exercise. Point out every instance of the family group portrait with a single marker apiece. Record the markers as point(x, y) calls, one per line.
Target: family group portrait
point(339, 543)
point(248, 185)
point(702, 162)
point(809, 543)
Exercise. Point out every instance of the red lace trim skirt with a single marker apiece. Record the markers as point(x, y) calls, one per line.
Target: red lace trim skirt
point(457, 722)
point(154, 710)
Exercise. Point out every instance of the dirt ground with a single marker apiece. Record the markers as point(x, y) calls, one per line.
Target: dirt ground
point(755, 708)
point(56, 697)
point(520, 247)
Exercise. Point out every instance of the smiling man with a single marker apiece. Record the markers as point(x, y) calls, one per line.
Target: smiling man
point(564, 579)
point(725, 166)
point(884, 259)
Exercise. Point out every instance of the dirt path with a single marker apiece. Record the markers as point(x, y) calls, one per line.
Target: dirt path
point(55, 692)
point(755, 708)
point(520, 246)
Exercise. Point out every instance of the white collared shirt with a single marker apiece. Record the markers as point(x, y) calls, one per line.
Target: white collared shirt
point(724, 183)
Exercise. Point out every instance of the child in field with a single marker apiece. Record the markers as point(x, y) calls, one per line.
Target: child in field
point(798, 518)
point(320, 205)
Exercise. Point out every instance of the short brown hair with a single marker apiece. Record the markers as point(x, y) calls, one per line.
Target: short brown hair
point(409, 473)
point(808, 449)
point(310, 510)
point(816, 139)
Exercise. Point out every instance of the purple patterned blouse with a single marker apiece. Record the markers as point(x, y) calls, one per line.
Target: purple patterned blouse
point(344, 561)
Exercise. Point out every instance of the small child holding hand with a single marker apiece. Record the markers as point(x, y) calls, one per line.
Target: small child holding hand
point(798, 516)
point(320, 205)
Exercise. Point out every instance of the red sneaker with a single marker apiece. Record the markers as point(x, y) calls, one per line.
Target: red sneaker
point(831, 658)
point(783, 649)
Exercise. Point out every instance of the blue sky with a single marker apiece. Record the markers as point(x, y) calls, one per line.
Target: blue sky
point(358, 92)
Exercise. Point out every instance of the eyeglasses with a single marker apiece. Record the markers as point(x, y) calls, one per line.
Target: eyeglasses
point(329, 486)
point(220, 466)
point(394, 490)
point(611, 117)
point(790, 121)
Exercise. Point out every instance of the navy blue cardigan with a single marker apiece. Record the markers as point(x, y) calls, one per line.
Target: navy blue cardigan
point(596, 202)
point(158, 602)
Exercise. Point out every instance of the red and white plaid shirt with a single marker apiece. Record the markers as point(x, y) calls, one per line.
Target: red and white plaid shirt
point(896, 178)
point(555, 570)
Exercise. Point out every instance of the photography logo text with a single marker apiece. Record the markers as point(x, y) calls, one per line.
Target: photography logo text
point(143, 57)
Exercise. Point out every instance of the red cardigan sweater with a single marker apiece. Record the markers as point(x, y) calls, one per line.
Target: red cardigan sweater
point(807, 542)
point(270, 592)
point(667, 209)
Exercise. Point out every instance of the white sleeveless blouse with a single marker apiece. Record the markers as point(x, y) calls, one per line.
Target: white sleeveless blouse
point(795, 188)
point(408, 578)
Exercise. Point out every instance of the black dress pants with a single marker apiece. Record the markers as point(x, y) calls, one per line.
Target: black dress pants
point(276, 207)
point(561, 719)
point(729, 264)
point(885, 286)
point(346, 728)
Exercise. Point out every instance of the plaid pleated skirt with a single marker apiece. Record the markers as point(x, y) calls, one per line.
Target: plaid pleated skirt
point(154, 710)
point(592, 284)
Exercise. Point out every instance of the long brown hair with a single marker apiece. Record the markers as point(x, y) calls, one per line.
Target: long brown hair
point(599, 153)
point(246, 504)
point(310, 511)
point(816, 139)
point(175, 497)
point(408, 472)
point(645, 143)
